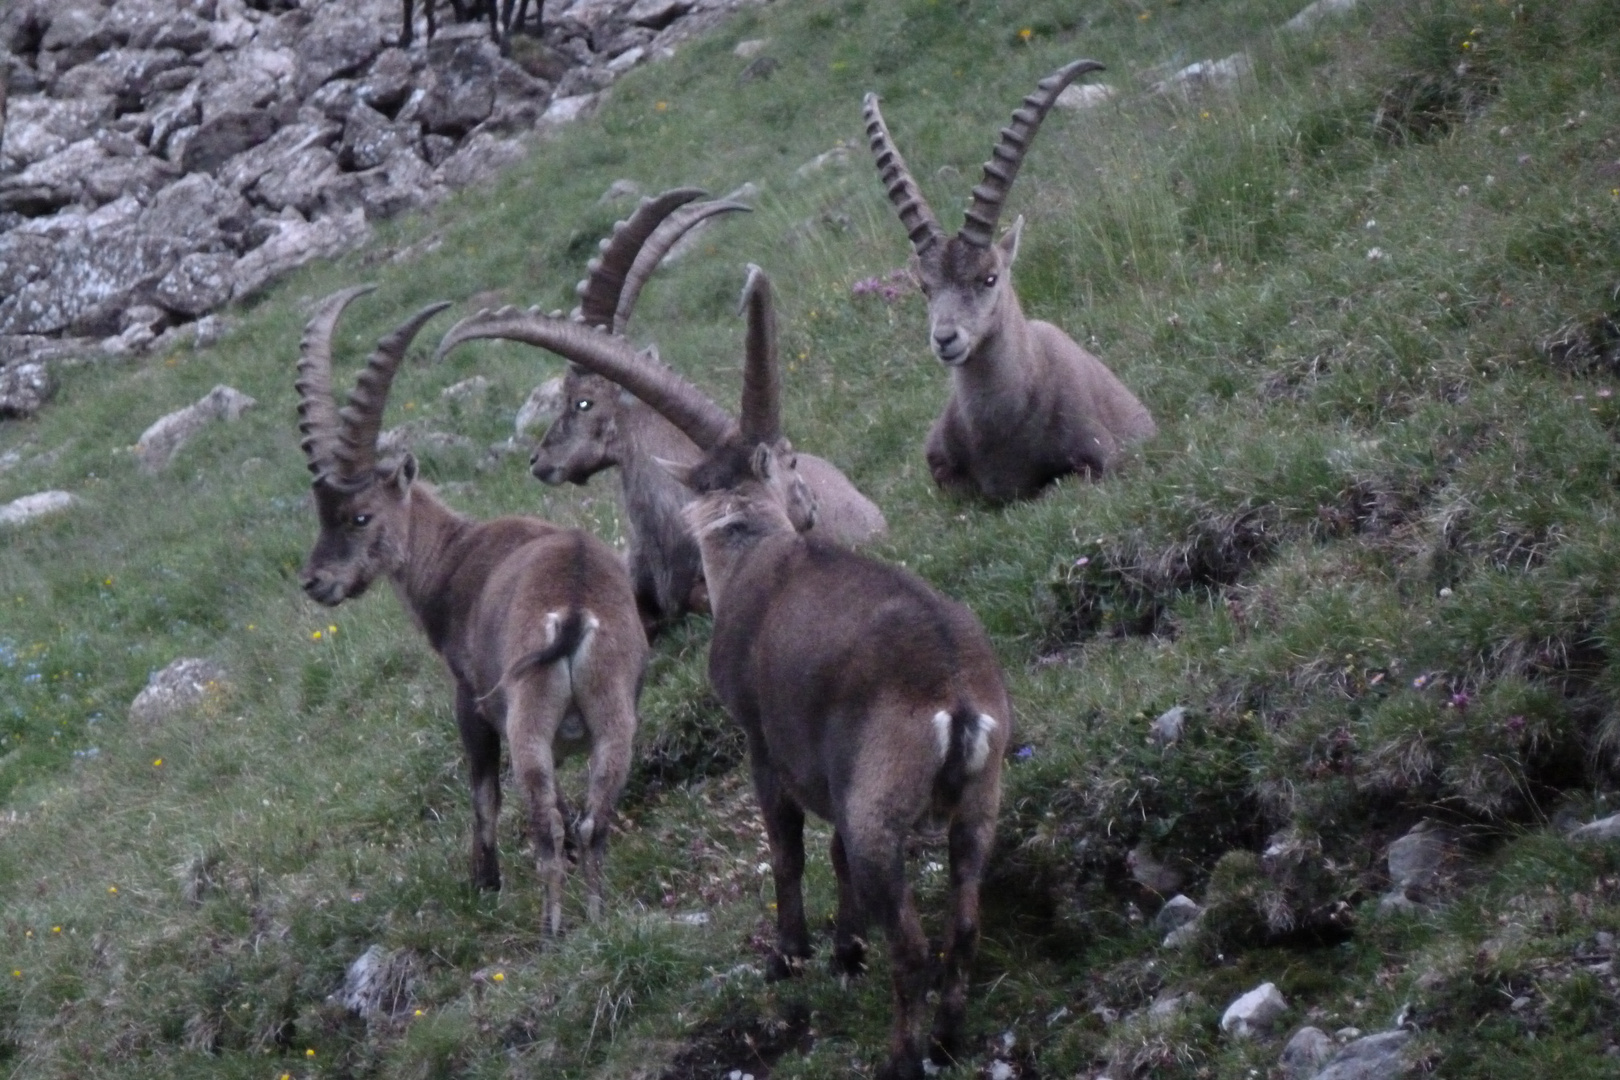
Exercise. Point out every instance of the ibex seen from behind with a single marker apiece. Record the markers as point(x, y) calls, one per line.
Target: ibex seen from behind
point(867, 698)
point(603, 425)
point(1027, 404)
point(536, 622)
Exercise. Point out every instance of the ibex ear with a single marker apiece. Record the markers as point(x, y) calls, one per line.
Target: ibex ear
point(1009, 240)
point(402, 474)
point(763, 462)
point(681, 473)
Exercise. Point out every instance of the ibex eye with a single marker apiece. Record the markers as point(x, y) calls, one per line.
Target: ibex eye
point(583, 404)
point(360, 521)
point(990, 281)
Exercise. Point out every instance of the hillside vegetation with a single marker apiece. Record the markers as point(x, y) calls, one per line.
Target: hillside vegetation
point(1371, 292)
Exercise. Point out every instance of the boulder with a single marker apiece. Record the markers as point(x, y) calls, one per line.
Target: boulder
point(1306, 1051)
point(200, 214)
point(159, 444)
point(182, 685)
point(40, 504)
point(1603, 829)
point(25, 385)
point(544, 404)
point(294, 243)
point(199, 283)
point(1373, 1057)
point(91, 280)
point(459, 87)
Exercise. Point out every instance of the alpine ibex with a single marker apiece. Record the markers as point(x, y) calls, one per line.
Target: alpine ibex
point(867, 698)
point(603, 426)
point(501, 18)
point(536, 622)
point(1027, 404)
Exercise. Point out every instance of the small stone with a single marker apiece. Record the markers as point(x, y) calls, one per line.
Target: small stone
point(1177, 912)
point(1168, 727)
point(751, 48)
point(1254, 1012)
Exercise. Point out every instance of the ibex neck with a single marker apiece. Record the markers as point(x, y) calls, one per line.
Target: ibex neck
point(422, 578)
point(1000, 363)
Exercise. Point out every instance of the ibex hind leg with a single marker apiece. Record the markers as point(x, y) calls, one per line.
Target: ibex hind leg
point(611, 719)
point(784, 828)
point(482, 745)
point(877, 868)
point(535, 708)
point(849, 927)
point(970, 842)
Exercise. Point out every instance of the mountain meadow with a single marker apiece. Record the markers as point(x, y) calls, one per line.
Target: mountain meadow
point(1365, 273)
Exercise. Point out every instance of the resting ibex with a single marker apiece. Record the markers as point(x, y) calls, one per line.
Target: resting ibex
point(602, 425)
point(867, 698)
point(535, 622)
point(1027, 404)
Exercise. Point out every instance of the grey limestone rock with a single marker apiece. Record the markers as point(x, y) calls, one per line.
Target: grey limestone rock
point(161, 442)
point(182, 685)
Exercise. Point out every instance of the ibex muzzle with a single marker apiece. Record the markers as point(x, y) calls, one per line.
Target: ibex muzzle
point(536, 623)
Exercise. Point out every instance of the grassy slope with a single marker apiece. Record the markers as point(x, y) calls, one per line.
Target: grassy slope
point(1370, 550)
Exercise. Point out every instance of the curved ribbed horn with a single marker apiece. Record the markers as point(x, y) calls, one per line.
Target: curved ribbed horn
point(666, 236)
point(317, 413)
point(600, 291)
point(360, 421)
point(1002, 169)
point(921, 225)
point(682, 403)
point(761, 420)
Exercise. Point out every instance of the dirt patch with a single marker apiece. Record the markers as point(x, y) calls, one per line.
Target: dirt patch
point(749, 1045)
point(1588, 346)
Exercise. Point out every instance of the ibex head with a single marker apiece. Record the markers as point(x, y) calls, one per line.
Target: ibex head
point(731, 447)
point(967, 277)
point(361, 501)
point(584, 439)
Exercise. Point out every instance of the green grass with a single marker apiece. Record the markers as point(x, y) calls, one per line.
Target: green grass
point(1371, 551)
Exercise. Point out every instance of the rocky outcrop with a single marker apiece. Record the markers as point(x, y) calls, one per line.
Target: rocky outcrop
point(168, 157)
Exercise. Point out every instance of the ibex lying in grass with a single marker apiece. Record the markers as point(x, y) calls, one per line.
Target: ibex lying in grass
point(867, 698)
point(536, 622)
point(1027, 404)
point(603, 425)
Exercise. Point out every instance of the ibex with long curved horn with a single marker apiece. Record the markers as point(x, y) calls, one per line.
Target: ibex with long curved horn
point(1027, 404)
point(603, 425)
point(867, 698)
point(536, 622)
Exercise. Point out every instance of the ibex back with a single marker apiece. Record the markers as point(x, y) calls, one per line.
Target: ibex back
point(536, 622)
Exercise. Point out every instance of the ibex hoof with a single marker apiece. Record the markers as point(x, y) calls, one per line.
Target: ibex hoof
point(780, 967)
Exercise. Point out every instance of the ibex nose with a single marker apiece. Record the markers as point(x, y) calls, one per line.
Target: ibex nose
point(943, 338)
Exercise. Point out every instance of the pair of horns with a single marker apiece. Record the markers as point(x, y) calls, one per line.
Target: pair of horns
point(678, 400)
point(634, 250)
point(341, 445)
point(978, 229)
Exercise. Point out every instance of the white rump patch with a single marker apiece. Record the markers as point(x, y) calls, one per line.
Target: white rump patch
point(942, 734)
point(979, 742)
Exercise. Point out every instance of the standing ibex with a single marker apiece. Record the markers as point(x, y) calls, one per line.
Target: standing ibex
point(1027, 404)
point(501, 18)
point(602, 425)
point(867, 698)
point(536, 623)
